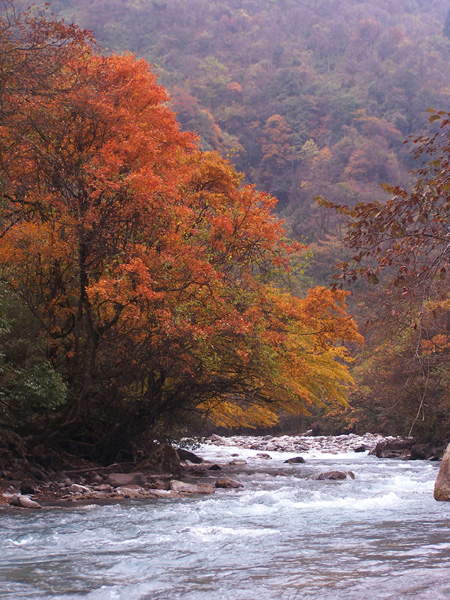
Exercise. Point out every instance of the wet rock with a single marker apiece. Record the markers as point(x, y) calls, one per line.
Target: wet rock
point(226, 483)
point(237, 463)
point(331, 476)
point(425, 452)
point(264, 456)
point(24, 502)
point(296, 460)
point(360, 448)
point(191, 488)
point(186, 455)
point(351, 474)
point(396, 448)
point(214, 468)
point(123, 479)
point(442, 485)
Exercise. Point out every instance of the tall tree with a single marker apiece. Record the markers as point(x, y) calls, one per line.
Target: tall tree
point(405, 243)
point(157, 279)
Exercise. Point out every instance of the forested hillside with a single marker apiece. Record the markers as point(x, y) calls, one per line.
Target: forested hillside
point(308, 98)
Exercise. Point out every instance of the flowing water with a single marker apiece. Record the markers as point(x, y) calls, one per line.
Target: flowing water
point(283, 537)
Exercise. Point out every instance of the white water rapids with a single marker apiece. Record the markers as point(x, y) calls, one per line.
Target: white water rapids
point(283, 537)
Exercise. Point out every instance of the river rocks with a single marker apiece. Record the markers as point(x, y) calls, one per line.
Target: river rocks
point(190, 456)
point(237, 463)
point(75, 488)
point(333, 476)
point(294, 461)
point(191, 488)
point(214, 468)
point(24, 502)
point(122, 479)
point(394, 448)
point(301, 443)
point(442, 485)
point(226, 483)
point(264, 456)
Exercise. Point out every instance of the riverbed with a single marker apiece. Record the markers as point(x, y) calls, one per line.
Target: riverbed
point(283, 536)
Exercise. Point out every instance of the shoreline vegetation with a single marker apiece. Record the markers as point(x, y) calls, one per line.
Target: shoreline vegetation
point(143, 284)
point(175, 473)
point(147, 288)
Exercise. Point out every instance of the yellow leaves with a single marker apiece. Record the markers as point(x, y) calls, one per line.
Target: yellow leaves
point(438, 343)
point(148, 250)
point(231, 414)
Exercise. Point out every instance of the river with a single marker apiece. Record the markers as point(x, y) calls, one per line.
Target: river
point(283, 536)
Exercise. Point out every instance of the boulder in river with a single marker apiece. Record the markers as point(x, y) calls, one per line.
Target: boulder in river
point(226, 483)
point(296, 460)
point(394, 448)
point(187, 455)
point(332, 476)
point(442, 485)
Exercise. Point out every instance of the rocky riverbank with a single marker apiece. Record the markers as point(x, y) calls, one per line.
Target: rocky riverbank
point(170, 473)
point(376, 444)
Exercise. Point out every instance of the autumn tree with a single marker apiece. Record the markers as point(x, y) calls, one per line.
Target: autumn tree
point(157, 282)
point(403, 244)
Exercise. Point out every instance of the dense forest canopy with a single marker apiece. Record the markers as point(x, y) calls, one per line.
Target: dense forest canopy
point(309, 98)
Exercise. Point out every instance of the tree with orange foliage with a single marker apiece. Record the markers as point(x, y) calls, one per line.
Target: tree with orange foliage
point(157, 279)
point(405, 242)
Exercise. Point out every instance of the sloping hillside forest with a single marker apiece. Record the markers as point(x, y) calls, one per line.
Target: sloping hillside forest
point(157, 282)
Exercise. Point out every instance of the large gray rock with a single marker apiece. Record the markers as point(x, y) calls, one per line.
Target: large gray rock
point(294, 461)
point(226, 484)
point(442, 485)
point(186, 455)
point(394, 448)
point(124, 479)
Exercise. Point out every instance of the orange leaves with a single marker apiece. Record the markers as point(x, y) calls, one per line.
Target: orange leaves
point(157, 269)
